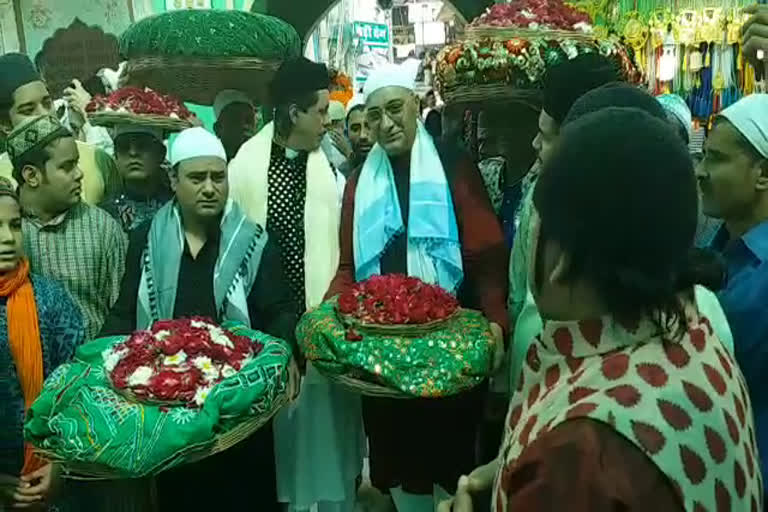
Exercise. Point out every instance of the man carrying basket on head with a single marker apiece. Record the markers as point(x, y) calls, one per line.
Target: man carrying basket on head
point(418, 210)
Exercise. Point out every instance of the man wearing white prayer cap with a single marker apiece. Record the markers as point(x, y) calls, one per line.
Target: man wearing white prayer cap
point(236, 119)
point(359, 135)
point(200, 256)
point(734, 183)
point(140, 156)
point(421, 209)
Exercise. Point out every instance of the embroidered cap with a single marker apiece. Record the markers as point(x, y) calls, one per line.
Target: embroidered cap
point(34, 134)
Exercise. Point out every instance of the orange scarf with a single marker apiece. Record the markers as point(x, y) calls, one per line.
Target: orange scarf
point(24, 341)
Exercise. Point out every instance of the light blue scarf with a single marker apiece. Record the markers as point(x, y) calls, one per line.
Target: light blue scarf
point(240, 248)
point(434, 251)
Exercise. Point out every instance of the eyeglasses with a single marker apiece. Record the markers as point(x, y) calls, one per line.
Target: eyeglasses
point(394, 110)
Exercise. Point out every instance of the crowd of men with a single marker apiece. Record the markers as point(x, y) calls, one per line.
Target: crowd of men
point(630, 359)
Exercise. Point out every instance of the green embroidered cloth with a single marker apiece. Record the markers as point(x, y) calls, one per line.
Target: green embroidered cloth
point(211, 33)
point(82, 421)
point(454, 358)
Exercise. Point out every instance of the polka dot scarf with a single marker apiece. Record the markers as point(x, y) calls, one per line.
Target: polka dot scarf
point(683, 403)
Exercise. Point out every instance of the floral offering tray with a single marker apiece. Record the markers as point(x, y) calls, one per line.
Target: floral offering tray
point(452, 357)
point(95, 432)
point(165, 123)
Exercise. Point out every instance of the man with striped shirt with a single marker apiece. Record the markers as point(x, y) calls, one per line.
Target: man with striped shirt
point(65, 239)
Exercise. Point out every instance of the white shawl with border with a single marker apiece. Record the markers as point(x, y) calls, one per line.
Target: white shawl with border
point(248, 186)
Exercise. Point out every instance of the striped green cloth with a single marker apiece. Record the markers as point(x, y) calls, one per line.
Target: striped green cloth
point(84, 250)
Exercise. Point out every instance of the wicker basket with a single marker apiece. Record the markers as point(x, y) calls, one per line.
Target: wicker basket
point(200, 79)
point(165, 123)
point(366, 388)
point(505, 33)
point(395, 329)
point(498, 93)
point(76, 470)
point(131, 396)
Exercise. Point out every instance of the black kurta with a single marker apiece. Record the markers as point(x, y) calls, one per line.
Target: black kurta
point(223, 481)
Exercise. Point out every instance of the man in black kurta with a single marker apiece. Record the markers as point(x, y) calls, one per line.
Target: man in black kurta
point(200, 183)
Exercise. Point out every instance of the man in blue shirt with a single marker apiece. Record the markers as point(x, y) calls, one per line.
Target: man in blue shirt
point(734, 185)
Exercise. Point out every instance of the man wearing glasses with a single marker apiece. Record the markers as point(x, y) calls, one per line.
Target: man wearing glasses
point(422, 210)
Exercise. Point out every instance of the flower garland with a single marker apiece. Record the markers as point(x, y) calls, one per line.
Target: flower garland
point(134, 100)
point(177, 360)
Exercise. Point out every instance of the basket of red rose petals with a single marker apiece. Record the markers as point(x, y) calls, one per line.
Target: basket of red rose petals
point(396, 336)
point(178, 362)
point(133, 406)
point(133, 105)
point(396, 304)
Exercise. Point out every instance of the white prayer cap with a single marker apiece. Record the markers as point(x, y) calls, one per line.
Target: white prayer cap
point(356, 101)
point(750, 116)
point(125, 129)
point(392, 75)
point(336, 111)
point(227, 97)
point(194, 143)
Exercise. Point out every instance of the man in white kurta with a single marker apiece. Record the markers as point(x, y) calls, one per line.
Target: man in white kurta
point(283, 181)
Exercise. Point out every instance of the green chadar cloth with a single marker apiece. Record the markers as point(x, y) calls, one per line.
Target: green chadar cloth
point(451, 359)
point(211, 33)
point(80, 420)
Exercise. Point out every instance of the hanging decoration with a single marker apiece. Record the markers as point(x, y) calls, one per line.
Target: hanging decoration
point(690, 47)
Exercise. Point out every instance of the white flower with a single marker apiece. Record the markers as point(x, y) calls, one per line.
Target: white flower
point(140, 377)
point(228, 371)
point(161, 335)
point(528, 14)
point(205, 365)
point(583, 27)
point(198, 324)
point(112, 357)
point(219, 337)
point(173, 115)
point(202, 394)
point(176, 359)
